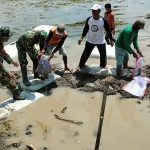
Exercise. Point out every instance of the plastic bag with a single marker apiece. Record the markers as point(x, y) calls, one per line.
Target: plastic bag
point(137, 65)
point(137, 86)
point(43, 66)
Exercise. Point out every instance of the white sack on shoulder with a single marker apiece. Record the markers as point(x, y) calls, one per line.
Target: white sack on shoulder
point(137, 86)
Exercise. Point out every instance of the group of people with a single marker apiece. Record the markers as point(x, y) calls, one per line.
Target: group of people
point(54, 41)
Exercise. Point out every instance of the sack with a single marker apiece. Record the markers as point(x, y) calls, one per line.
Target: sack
point(137, 86)
point(43, 66)
point(137, 65)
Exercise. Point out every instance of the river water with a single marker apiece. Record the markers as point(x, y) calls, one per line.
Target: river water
point(126, 123)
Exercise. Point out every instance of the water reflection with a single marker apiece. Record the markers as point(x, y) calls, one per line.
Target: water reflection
point(127, 109)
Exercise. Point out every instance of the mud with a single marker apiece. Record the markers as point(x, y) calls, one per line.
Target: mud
point(90, 83)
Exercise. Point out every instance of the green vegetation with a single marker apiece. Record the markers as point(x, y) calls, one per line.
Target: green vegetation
point(81, 23)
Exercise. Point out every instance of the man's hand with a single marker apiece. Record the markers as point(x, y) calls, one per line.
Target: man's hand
point(11, 76)
point(15, 63)
point(140, 53)
point(111, 43)
point(113, 32)
point(51, 56)
point(80, 40)
point(135, 55)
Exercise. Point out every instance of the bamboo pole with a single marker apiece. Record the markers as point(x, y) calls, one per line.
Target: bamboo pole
point(101, 115)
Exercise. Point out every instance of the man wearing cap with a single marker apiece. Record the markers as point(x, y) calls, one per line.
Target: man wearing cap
point(7, 78)
point(55, 41)
point(122, 46)
point(95, 26)
point(25, 44)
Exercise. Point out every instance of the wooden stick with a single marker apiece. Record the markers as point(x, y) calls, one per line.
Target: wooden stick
point(101, 115)
point(71, 121)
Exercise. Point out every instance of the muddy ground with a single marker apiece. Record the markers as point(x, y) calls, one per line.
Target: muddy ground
point(90, 83)
point(77, 80)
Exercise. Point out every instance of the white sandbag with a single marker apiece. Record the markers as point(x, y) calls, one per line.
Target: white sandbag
point(12, 105)
point(43, 27)
point(110, 70)
point(110, 51)
point(11, 49)
point(37, 84)
point(137, 86)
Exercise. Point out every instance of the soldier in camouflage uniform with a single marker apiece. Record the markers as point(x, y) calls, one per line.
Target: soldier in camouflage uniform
point(25, 44)
point(7, 78)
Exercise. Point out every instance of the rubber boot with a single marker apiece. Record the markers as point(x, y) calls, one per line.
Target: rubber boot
point(24, 76)
point(16, 95)
point(35, 65)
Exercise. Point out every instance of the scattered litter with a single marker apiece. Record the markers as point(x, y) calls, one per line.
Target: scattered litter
point(42, 125)
point(71, 121)
point(28, 127)
point(78, 142)
point(64, 109)
point(138, 102)
point(28, 133)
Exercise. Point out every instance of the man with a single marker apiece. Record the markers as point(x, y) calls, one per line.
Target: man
point(109, 15)
point(7, 78)
point(55, 41)
point(95, 26)
point(25, 44)
point(122, 46)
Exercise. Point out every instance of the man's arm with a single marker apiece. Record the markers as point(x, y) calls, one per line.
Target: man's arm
point(126, 42)
point(60, 44)
point(85, 31)
point(6, 57)
point(113, 23)
point(107, 29)
point(135, 42)
point(2, 68)
point(86, 27)
point(136, 46)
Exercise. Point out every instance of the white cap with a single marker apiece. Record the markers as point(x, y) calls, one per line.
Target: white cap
point(96, 7)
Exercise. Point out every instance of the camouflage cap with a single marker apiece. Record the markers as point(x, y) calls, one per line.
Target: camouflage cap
point(140, 23)
point(5, 32)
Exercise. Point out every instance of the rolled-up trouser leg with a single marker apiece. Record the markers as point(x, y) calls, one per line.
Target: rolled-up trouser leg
point(86, 53)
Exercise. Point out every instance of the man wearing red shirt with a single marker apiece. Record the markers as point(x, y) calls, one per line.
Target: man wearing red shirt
point(109, 16)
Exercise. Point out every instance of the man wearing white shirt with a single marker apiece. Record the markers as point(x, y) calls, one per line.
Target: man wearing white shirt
point(95, 26)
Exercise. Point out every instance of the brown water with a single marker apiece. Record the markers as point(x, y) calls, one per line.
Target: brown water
point(126, 123)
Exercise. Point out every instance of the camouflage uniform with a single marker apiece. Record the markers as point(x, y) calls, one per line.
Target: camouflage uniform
point(26, 43)
point(3, 78)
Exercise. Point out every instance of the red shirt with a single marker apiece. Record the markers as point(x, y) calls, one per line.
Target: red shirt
point(110, 19)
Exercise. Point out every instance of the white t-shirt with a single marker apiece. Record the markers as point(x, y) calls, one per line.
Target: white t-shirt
point(96, 31)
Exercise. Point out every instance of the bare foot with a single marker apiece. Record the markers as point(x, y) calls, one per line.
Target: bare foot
point(69, 69)
point(31, 146)
point(78, 68)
